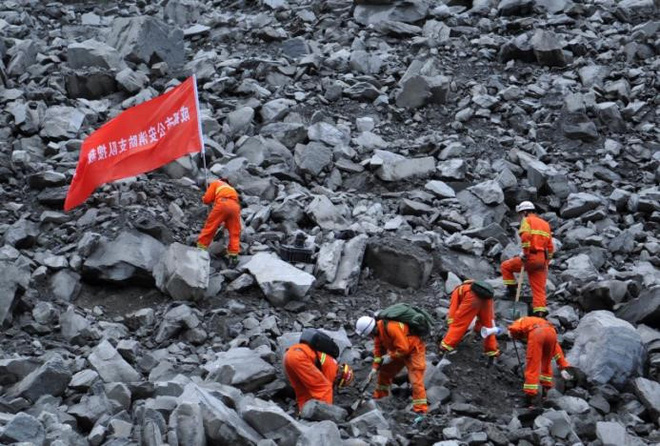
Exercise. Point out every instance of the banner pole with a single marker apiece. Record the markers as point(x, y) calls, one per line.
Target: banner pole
point(201, 135)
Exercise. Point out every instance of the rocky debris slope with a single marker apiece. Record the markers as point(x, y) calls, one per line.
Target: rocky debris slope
point(396, 136)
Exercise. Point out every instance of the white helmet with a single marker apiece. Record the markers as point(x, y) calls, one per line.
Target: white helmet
point(525, 206)
point(365, 325)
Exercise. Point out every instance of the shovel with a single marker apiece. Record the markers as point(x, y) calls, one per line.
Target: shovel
point(515, 310)
point(363, 391)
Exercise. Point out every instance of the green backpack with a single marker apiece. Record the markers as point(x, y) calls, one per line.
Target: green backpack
point(418, 320)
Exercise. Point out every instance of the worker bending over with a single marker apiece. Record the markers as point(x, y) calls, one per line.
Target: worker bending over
point(469, 300)
point(226, 211)
point(394, 348)
point(542, 348)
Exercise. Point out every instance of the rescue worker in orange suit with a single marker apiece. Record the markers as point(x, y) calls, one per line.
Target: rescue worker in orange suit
point(313, 374)
point(537, 251)
point(470, 299)
point(226, 211)
point(394, 348)
point(542, 348)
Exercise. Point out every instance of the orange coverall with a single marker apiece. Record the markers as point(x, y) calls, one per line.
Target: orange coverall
point(537, 246)
point(301, 365)
point(394, 338)
point(226, 210)
point(542, 348)
point(463, 307)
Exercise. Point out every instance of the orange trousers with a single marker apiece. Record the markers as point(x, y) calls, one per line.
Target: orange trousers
point(541, 344)
point(226, 212)
point(415, 362)
point(536, 268)
point(462, 320)
point(307, 380)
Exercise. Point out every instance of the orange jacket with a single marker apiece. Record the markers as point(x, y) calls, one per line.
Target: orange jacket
point(328, 364)
point(219, 190)
point(536, 236)
point(521, 329)
point(393, 338)
point(462, 292)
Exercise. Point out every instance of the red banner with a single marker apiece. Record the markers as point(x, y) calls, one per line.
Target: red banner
point(140, 139)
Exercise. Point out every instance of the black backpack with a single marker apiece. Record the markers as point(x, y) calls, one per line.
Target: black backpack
point(320, 342)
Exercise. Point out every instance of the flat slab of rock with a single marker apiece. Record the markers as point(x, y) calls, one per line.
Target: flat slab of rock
point(51, 378)
point(279, 280)
point(240, 367)
point(110, 366)
point(350, 265)
point(183, 272)
point(130, 258)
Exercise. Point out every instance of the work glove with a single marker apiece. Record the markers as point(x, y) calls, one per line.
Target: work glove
point(565, 374)
point(386, 360)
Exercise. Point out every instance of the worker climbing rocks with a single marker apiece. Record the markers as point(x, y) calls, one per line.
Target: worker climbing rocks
point(313, 374)
point(537, 251)
point(542, 348)
point(469, 300)
point(394, 348)
point(226, 211)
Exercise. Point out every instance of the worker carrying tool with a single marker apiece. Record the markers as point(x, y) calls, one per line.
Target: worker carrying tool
point(395, 346)
point(226, 211)
point(311, 368)
point(542, 348)
point(469, 300)
point(537, 251)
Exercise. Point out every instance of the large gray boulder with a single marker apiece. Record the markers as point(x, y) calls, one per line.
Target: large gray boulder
point(183, 272)
point(279, 280)
point(350, 265)
point(579, 203)
point(51, 378)
point(271, 421)
point(394, 167)
point(398, 262)
point(325, 433)
point(110, 366)
point(223, 426)
point(24, 429)
point(187, 421)
point(328, 216)
point(147, 39)
point(61, 122)
point(92, 53)
point(130, 258)
point(645, 309)
point(607, 349)
point(240, 367)
point(374, 12)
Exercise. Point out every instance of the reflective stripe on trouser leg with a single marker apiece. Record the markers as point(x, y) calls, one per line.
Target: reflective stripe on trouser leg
point(546, 381)
point(531, 389)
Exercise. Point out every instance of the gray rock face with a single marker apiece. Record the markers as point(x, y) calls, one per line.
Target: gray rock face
point(371, 13)
point(312, 158)
point(110, 366)
point(92, 53)
point(611, 433)
point(22, 234)
point(279, 281)
point(130, 258)
point(579, 203)
point(74, 328)
point(188, 423)
point(603, 295)
point(399, 262)
point(49, 379)
point(649, 393)
point(325, 433)
point(24, 428)
point(645, 309)
point(607, 349)
point(315, 410)
point(240, 367)
point(489, 192)
point(147, 39)
point(328, 260)
point(65, 285)
point(325, 213)
point(418, 91)
point(13, 282)
point(350, 265)
point(394, 167)
point(62, 122)
point(183, 272)
point(368, 422)
point(221, 424)
point(440, 189)
point(547, 48)
point(271, 421)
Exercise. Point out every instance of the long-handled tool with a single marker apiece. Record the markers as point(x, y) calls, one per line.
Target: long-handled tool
point(363, 390)
point(515, 314)
point(515, 347)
